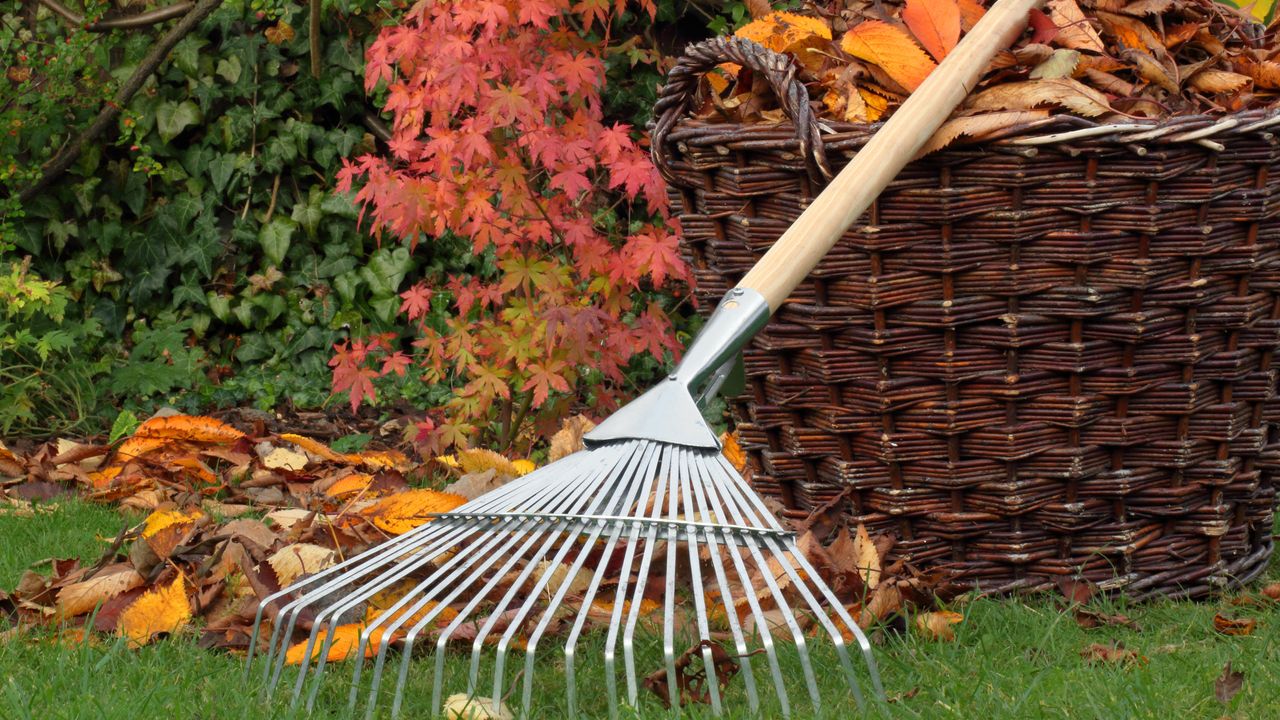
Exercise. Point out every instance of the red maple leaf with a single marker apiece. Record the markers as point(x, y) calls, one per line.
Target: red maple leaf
point(417, 301)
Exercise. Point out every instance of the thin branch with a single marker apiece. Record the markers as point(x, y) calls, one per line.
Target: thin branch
point(145, 19)
point(376, 126)
point(68, 155)
point(315, 39)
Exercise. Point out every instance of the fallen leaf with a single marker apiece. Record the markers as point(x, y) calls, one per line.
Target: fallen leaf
point(785, 32)
point(1075, 590)
point(1116, 654)
point(1218, 81)
point(1234, 626)
point(1272, 591)
point(1090, 619)
point(1131, 33)
point(477, 460)
point(568, 439)
point(1063, 92)
point(81, 597)
point(190, 428)
point(158, 611)
point(1227, 684)
point(979, 126)
point(971, 11)
point(891, 49)
point(867, 557)
point(937, 625)
point(473, 485)
point(1147, 7)
point(1074, 30)
point(692, 683)
point(346, 639)
point(462, 706)
point(733, 452)
point(405, 511)
point(293, 561)
point(10, 465)
point(285, 459)
point(935, 23)
point(1062, 63)
point(1151, 70)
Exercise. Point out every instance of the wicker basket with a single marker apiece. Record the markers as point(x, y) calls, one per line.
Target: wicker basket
point(1047, 355)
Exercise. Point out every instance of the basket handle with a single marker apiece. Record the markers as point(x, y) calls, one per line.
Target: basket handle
point(818, 228)
point(700, 58)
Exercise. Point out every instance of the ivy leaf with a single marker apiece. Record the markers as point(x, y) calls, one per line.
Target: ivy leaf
point(890, 48)
point(275, 237)
point(221, 169)
point(229, 68)
point(308, 213)
point(172, 118)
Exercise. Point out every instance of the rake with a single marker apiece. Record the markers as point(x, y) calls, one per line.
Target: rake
point(650, 517)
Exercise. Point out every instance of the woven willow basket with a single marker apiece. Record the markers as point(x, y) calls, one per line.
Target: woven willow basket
point(1047, 355)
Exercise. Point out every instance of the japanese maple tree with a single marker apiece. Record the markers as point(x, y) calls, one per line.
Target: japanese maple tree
point(499, 138)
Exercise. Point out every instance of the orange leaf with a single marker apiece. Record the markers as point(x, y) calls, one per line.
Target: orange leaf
point(189, 427)
point(783, 31)
point(877, 105)
point(136, 446)
point(891, 49)
point(971, 11)
point(346, 638)
point(937, 625)
point(1272, 591)
point(405, 511)
point(157, 611)
point(1234, 626)
point(315, 447)
point(349, 485)
point(935, 23)
point(1131, 33)
point(1264, 74)
point(732, 451)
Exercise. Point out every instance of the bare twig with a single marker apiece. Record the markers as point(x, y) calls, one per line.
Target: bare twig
point(376, 126)
point(315, 39)
point(124, 94)
point(145, 19)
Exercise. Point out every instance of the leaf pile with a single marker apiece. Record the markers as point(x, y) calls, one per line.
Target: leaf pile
point(1106, 60)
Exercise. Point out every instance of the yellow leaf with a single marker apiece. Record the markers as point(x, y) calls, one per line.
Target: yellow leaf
point(979, 126)
point(294, 561)
point(1062, 63)
point(137, 446)
point(285, 459)
point(405, 511)
point(478, 460)
point(447, 460)
point(160, 610)
point(867, 557)
point(190, 428)
point(935, 23)
point(346, 638)
point(524, 467)
point(161, 519)
point(380, 459)
point(782, 31)
point(461, 706)
point(877, 105)
point(937, 625)
point(84, 596)
point(315, 447)
point(372, 458)
point(1064, 92)
point(891, 49)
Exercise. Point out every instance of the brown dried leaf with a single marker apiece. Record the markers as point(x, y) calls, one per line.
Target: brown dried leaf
point(1141, 8)
point(1234, 626)
point(885, 601)
point(1063, 92)
point(937, 625)
point(1074, 30)
point(691, 674)
point(568, 439)
point(1227, 684)
point(979, 126)
point(1272, 591)
point(1116, 654)
point(82, 597)
point(1265, 74)
point(1151, 70)
point(159, 611)
point(891, 49)
point(10, 465)
point(1076, 591)
point(1218, 81)
point(1090, 619)
point(867, 557)
point(1062, 63)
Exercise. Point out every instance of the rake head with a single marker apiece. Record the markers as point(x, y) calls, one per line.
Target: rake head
point(649, 549)
point(631, 537)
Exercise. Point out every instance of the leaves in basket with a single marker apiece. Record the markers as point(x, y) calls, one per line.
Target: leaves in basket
point(1061, 92)
point(935, 23)
point(891, 49)
point(980, 126)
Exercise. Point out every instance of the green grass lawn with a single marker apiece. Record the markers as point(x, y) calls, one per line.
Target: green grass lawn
point(1010, 660)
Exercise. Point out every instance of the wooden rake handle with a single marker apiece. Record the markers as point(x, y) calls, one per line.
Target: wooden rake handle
point(809, 238)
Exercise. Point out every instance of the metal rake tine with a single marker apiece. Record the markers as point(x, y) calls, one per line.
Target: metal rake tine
point(397, 701)
point(687, 469)
point(620, 494)
point(642, 579)
point(619, 603)
point(737, 486)
point(726, 593)
point(646, 454)
point(761, 621)
point(788, 616)
point(669, 598)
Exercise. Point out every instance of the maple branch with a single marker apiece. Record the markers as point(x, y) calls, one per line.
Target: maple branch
point(315, 39)
point(149, 64)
